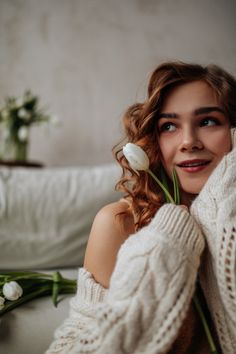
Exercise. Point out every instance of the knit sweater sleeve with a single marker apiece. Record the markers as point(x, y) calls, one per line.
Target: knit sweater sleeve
point(226, 252)
point(81, 315)
point(215, 211)
point(150, 289)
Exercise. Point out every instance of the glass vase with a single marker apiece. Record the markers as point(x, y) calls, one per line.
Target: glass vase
point(14, 150)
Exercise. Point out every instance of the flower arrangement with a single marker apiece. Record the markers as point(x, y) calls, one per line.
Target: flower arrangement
point(139, 161)
point(17, 288)
point(17, 115)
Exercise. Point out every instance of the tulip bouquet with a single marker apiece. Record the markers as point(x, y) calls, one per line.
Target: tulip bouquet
point(139, 161)
point(17, 288)
point(17, 115)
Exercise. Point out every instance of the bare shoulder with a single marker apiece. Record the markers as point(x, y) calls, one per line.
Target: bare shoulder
point(111, 227)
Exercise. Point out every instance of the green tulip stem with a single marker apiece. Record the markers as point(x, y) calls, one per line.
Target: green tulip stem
point(167, 194)
point(205, 325)
point(176, 187)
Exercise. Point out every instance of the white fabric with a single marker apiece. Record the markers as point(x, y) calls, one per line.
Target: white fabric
point(46, 214)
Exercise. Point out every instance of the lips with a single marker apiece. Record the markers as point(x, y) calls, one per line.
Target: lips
point(193, 166)
point(193, 163)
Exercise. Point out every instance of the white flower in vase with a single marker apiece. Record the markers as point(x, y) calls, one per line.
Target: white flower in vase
point(23, 134)
point(22, 113)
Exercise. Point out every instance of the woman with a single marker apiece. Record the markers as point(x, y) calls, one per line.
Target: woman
point(143, 255)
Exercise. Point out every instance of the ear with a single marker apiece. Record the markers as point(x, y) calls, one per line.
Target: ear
point(233, 137)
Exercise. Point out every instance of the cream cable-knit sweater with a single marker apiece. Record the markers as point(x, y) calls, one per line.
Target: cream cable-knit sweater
point(215, 211)
point(150, 292)
point(154, 279)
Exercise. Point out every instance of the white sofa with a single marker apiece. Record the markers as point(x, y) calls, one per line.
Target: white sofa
point(45, 218)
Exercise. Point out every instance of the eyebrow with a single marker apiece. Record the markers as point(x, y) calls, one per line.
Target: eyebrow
point(196, 112)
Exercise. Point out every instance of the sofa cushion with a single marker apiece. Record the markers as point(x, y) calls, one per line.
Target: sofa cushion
point(46, 214)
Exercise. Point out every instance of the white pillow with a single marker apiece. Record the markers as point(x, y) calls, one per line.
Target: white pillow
point(46, 214)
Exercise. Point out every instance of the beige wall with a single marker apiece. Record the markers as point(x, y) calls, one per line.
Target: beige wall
point(89, 59)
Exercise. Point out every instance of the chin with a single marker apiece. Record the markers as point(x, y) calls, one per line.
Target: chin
point(192, 189)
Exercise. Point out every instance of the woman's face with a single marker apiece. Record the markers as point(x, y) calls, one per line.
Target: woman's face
point(194, 134)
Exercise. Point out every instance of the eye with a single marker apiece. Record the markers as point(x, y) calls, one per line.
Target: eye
point(209, 122)
point(167, 127)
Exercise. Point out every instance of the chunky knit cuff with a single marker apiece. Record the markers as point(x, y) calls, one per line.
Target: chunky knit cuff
point(176, 223)
point(88, 289)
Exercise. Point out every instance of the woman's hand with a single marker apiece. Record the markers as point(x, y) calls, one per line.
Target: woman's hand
point(184, 207)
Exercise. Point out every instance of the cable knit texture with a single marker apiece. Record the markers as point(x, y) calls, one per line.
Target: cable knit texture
point(215, 211)
point(81, 316)
point(150, 292)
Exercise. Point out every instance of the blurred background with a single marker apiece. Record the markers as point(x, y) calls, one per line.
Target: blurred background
point(88, 60)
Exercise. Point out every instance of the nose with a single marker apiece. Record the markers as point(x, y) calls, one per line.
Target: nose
point(190, 140)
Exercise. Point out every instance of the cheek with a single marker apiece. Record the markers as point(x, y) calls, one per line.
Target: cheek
point(219, 144)
point(226, 144)
point(167, 155)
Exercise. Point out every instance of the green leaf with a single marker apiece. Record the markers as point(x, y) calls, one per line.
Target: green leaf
point(56, 287)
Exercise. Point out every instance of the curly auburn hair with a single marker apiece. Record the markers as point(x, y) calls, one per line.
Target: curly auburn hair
point(140, 125)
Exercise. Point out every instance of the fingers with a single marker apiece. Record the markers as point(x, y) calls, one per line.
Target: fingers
point(184, 207)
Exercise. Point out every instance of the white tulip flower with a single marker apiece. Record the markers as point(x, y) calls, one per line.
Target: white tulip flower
point(2, 300)
point(23, 114)
point(12, 290)
point(139, 161)
point(23, 134)
point(136, 157)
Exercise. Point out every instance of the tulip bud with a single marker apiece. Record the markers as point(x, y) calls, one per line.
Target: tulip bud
point(139, 161)
point(136, 157)
point(12, 290)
